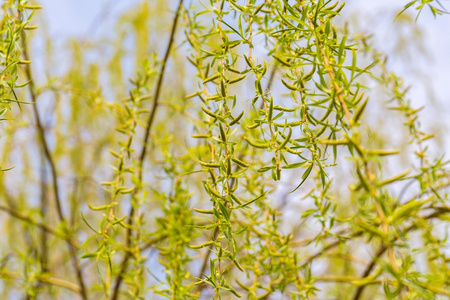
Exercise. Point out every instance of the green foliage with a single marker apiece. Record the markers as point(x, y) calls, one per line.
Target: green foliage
point(435, 6)
point(238, 162)
point(15, 21)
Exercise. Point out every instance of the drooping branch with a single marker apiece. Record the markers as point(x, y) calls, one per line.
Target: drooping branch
point(143, 153)
point(45, 279)
point(48, 229)
point(439, 211)
point(54, 174)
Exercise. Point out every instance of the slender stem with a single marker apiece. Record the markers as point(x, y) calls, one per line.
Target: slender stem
point(368, 269)
point(158, 90)
point(44, 234)
point(43, 251)
point(330, 246)
point(205, 261)
point(45, 279)
point(330, 71)
point(233, 181)
point(354, 280)
point(51, 162)
point(43, 255)
point(152, 242)
point(17, 214)
point(439, 211)
point(150, 120)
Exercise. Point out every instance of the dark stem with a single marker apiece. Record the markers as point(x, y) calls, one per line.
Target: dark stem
point(48, 156)
point(205, 261)
point(439, 211)
point(43, 208)
point(150, 120)
point(21, 216)
point(368, 269)
point(269, 83)
point(43, 253)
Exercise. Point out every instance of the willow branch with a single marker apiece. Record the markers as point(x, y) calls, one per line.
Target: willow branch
point(157, 94)
point(439, 211)
point(205, 260)
point(233, 180)
point(51, 162)
point(330, 70)
point(328, 247)
point(368, 269)
point(45, 279)
point(44, 206)
point(356, 281)
point(152, 242)
point(348, 279)
point(21, 216)
point(148, 128)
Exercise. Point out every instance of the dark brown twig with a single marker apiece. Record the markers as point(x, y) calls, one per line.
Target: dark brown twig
point(439, 211)
point(205, 261)
point(368, 269)
point(21, 216)
point(150, 120)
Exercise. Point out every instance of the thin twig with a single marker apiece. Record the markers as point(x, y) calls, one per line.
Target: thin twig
point(152, 242)
point(383, 248)
point(43, 208)
point(21, 216)
point(43, 255)
point(54, 175)
point(330, 70)
point(205, 260)
point(330, 246)
point(151, 118)
point(368, 269)
point(233, 180)
point(355, 281)
point(45, 279)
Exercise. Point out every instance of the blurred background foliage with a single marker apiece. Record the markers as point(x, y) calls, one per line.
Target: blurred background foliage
point(95, 90)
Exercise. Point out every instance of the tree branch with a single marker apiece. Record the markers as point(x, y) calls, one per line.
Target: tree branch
point(21, 216)
point(151, 118)
point(383, 248)
point(49, 158)
point(45, 279)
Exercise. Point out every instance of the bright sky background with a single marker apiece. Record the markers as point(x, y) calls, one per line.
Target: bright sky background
point(94, 18)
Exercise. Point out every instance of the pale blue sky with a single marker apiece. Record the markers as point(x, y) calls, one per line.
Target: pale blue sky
point(80, 18)
point(427, 73)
